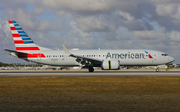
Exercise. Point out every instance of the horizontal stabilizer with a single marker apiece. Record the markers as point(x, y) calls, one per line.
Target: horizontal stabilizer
point(17, 52)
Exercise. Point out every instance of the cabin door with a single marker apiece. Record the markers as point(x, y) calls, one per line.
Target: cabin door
point(39, 57)
point(154, 58)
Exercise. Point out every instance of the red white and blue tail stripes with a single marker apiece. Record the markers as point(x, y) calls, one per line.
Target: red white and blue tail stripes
point(21, 40)
point(24, 43)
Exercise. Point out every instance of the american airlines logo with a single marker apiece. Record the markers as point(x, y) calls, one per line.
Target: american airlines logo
point(128, 55)
point(148, 54)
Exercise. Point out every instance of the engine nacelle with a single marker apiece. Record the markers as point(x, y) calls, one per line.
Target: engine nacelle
point(110, 65)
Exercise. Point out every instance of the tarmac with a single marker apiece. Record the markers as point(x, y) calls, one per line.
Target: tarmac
point(85, 73)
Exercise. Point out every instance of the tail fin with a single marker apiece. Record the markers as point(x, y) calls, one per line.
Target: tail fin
point(21, 40)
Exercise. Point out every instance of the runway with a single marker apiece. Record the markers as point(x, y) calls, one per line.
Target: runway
point(88, 74)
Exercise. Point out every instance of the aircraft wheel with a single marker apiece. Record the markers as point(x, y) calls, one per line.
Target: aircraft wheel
point(157, 70)
point(91, 69)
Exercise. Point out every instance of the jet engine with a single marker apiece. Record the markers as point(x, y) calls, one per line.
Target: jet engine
point(110, 65)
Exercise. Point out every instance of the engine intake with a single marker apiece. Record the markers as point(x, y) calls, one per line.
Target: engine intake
point(110, 65)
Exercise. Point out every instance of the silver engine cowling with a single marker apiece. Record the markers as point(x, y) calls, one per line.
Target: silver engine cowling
point(110, 65)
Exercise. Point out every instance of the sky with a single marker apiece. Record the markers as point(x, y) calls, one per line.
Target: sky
point(93, 24)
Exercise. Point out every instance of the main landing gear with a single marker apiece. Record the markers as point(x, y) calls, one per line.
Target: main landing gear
point(91, 69)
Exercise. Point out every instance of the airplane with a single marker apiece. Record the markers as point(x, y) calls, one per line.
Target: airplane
point(27, 50)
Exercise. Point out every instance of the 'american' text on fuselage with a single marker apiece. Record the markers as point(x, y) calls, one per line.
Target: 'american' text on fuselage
point(125, 55)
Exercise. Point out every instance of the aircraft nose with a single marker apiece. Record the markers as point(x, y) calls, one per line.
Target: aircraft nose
point(171, 59)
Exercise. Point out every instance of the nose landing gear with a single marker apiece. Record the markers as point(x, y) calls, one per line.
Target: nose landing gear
point(157, 69)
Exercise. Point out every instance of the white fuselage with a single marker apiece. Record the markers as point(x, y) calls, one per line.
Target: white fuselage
point(126, 57)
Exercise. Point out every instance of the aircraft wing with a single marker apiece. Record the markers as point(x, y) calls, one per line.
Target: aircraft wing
point(67, 53)
point(86, 58)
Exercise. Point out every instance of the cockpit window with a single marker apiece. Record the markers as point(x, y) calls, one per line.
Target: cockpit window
point(164, 54)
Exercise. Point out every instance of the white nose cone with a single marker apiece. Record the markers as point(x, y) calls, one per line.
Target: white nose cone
point(170, 59)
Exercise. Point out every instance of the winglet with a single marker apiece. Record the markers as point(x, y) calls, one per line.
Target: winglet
point(66, 50)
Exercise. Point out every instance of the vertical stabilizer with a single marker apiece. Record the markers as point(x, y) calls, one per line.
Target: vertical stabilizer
point(25, 47)
point(21, 40)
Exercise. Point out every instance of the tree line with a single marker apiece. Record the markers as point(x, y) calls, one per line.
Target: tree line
point(18, 65)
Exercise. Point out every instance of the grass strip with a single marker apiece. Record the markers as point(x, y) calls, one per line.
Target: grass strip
point(90, 93)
